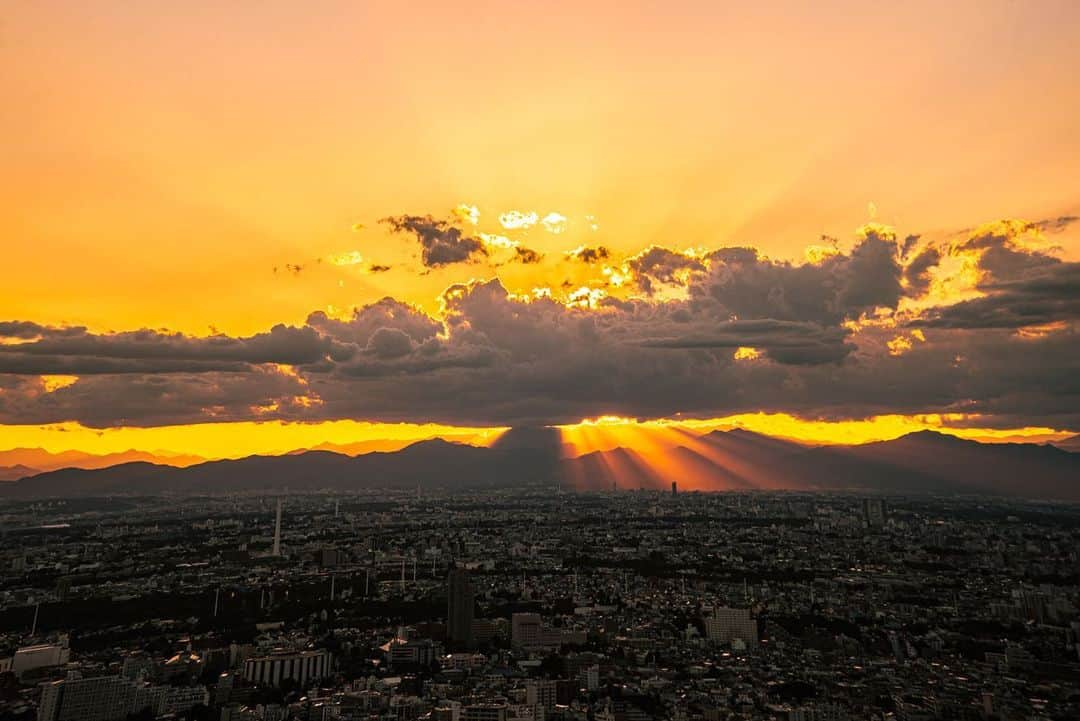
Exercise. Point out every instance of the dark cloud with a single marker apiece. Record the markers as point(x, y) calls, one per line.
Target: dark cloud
point(377, 268)
point(441, 242)
point(389, 343)
point(1051, 296)
point(589, 255)
point(28, 330)
point(821, 330)
point(527, 256)
point(786, 342)
point(385, 313)
point(1056, 225)
point(149, 351)
point(917, 271)
point(840, 287)
point(661, 265)
point(1003, 255)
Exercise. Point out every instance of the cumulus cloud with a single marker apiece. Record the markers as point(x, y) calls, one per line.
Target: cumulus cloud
point(661, 265)
point(80, 352)
point(840, 287)
point(527, 256)
point(441, 243)
point(824, 334)
point(587, 254)
point(1050, 293)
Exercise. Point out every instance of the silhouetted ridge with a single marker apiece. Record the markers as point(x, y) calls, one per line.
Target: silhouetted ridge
point(924, 461)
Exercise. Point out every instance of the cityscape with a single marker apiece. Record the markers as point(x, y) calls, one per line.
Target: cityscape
point(533, 604)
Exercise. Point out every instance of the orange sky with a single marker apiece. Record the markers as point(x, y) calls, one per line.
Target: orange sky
point(159, 162)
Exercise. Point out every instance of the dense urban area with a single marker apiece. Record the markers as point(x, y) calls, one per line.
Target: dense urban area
point(539, 604)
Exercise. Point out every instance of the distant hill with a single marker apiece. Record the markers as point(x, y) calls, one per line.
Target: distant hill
point(14, 473)
point(721, 460)
point(1071, 444)
point(38, 459)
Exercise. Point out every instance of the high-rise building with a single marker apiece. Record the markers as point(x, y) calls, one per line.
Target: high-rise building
point(459, 607)
point(277, 530)
point(526, 629)
point(874, 512)
point(731, 624)
point(674, 488)
point(541, 692)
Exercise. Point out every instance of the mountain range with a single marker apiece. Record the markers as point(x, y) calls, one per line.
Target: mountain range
point(737, 459)
point(18, 463)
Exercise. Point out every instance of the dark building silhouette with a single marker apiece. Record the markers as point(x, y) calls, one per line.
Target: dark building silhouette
point(459, 607)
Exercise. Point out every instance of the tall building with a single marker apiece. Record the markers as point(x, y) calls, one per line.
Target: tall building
point(874, 512)
point(541, 692)
point(731, 624)
point(459, 607)
point(277, 530)
point(526, 629)
point(674, 488)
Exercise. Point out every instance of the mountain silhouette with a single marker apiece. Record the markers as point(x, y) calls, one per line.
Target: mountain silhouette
point(721, 460)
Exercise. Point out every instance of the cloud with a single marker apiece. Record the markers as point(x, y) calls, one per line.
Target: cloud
point(840, 287)
point(365, 321)
point(389, 343)
point(527, 256)
point(441, 243)
point(783, 341)
point(62, 351)
point(1050, 293)
point(518, 220)
point(656, 264)
point(586, 254)
point(917, 271)
point(824, 339)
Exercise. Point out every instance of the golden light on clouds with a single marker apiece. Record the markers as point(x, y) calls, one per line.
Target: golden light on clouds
point(351, 257)
point(53, 383)
point(746, 353)
point(554, 222)
point(517, 220)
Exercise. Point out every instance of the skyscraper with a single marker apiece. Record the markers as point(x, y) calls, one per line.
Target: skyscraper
point(459, 607)
point(277, 530)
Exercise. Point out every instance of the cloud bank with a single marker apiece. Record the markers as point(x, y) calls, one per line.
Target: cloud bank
point(985, 325)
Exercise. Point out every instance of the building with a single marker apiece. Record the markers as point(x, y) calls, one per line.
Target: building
point(485, 712)
point(589, 677)
point(460, 602)
point(732, 624)
point(29, 658)
point(526, 629)
point(542, 692)
point(277, 530)
point(105, 698)
point(300, 666)
point(874, 512)
point(419, 652)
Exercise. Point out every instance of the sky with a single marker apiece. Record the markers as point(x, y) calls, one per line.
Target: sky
point(248, 220)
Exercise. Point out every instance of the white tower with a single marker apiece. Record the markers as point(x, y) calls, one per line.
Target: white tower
point(277, 530)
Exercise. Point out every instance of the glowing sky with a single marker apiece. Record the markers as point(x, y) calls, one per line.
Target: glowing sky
point(215, 169)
